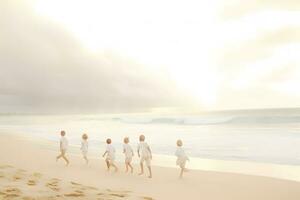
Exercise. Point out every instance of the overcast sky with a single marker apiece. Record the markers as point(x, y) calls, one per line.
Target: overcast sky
point(137, 56)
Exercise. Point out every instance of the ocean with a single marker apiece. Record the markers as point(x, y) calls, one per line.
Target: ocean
point(266, 136)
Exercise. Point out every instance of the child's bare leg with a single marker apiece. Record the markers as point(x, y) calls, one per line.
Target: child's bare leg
point(142, 168)
point(65, 158)
point(107, 164)
point(150, 172)
point(129, 164)
point(58, 157)
point(62, 153)
point(116, 168)
point(86, 160)
point(126, 164)
point(181, 172)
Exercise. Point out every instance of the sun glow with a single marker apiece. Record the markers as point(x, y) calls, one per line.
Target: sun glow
point(151, 33)
point(183, 38)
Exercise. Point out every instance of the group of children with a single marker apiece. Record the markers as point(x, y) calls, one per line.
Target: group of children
point(143, 151)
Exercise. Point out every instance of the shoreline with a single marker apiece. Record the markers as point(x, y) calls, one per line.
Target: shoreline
point(210, 185)
point(280, 171)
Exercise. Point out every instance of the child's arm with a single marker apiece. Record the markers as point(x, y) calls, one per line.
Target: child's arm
point(187, 158)
point(60, 145)
point(138, 151)
point(104, 153)
point(150, 152)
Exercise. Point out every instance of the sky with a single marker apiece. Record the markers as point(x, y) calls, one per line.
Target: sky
point(93, 56)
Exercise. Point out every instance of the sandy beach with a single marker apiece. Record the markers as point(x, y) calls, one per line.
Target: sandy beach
point(205, 89)
point(31, 172)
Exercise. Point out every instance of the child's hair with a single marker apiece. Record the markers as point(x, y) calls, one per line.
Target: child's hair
point(142, 138)
point(85, 136)
point(179, 143)
point(126, 140)
point(108, 141)
point(62, 133)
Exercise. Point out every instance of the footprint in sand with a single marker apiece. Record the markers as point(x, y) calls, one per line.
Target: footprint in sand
point(10, 192)
point(74, 183)
point(118, 195)
point(34, 179)
point(147, 198)
point(91, 188)
point(54, 188)
point(53, 185)
point(79, 186)
point(118, 192)
point(28, 198)
point(31, 182)
point(54, 181)
point(112, 194)
point(17, 177)
point(76, 193)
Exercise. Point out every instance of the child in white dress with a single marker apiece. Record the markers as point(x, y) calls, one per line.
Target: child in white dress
point(127, 150)
point(110, 155)
point(84, 147)
point(144, 152)
point(63, 144)
point(181, 157)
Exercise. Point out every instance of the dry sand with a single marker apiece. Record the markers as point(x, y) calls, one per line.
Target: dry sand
point(29, 171)
point(21, 184)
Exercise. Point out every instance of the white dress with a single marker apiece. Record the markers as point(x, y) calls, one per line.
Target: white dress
point(64, 143)
point(84, 147)
point(110, 153)
point(181, 157)
point(128, 152)
point(143, 148)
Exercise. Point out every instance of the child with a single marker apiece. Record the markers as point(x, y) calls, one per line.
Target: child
point(63, 147)
point(110, 155)
point(127, 150)
point(181, 157)
point(144, 152)
point(84, 147)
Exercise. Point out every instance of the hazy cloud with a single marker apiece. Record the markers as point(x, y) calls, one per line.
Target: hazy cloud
point(235, 9)
point(260, 47)
point(249, 61)
point(45, 69)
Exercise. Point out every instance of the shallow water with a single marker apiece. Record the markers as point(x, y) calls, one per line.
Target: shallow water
point(272, 137)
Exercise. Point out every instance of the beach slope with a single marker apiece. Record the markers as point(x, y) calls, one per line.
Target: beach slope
point(29, 171)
